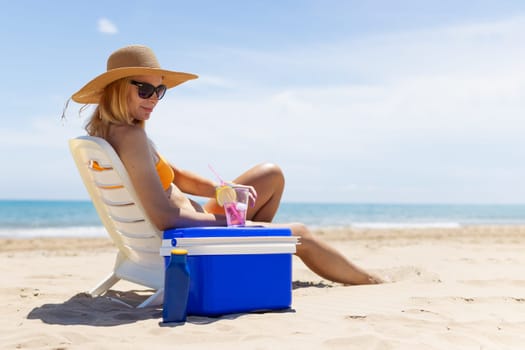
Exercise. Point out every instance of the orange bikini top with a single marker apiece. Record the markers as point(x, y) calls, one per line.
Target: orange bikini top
point(165, 172)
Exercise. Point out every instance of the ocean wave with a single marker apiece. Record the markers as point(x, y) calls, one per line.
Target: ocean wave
point(404, 225)
point(66, 232)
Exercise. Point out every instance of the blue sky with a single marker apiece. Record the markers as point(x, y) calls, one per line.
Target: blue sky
point(358, 101)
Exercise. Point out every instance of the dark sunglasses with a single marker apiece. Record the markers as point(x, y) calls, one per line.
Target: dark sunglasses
point(147, 90)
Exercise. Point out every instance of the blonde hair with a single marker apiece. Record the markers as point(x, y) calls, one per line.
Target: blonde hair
point(112, 109)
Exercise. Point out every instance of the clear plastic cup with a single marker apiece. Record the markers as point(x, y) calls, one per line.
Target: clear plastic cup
point(236, 211)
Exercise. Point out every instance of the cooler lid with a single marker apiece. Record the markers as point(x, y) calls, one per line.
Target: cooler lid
point(226, 232)
point(233, 249)
point(231, 245)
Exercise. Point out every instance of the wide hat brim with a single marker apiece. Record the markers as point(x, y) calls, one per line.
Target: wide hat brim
point(92, 91)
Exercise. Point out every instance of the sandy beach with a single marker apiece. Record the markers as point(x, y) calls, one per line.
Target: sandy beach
point(453, 288)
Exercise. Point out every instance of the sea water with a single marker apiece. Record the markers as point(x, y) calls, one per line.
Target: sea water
point(43, 218)
point(26, 219)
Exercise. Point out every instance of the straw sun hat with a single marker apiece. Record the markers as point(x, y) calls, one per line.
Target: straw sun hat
point(125, 62)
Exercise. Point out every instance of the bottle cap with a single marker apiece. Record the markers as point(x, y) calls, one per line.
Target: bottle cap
point(179, 251)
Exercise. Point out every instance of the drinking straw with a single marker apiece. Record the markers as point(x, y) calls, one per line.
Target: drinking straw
point(217, 175)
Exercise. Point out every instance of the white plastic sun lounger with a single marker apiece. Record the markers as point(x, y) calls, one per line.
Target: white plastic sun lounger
point(137, 239)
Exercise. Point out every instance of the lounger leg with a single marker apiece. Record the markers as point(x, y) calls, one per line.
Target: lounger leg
point(103, 286)
point(154, 300)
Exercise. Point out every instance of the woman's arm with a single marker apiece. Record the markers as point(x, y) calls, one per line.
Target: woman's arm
point(191, 183)
point(131, 144)
point(195, 184)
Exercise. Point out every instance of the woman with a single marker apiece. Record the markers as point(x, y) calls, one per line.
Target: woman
point(127, 94)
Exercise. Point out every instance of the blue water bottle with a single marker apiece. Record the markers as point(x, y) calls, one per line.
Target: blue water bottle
point(176, 287)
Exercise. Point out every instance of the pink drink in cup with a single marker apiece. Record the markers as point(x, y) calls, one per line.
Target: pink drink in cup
point(236, 211)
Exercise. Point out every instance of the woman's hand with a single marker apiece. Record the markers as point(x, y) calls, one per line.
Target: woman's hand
point(252, 195)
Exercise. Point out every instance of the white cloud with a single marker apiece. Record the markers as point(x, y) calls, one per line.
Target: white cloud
point(105, 26)
point(433, 115)
point(441, 111)
point(214, 82)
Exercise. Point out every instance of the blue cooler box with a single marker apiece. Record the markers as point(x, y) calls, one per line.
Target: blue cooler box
point(235, 269)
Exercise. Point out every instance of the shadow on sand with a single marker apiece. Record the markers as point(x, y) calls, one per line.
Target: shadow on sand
point(117, 308)
point(112, 309)
point(308, 284)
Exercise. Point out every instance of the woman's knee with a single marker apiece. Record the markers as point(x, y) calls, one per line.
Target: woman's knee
point(265, 174)
point(272, 171)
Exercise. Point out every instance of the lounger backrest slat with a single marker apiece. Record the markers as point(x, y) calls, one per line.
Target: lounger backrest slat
point(112, 193)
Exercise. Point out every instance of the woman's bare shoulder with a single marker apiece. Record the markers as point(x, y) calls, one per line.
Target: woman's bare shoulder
point(127, 136)
point(125, 131)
